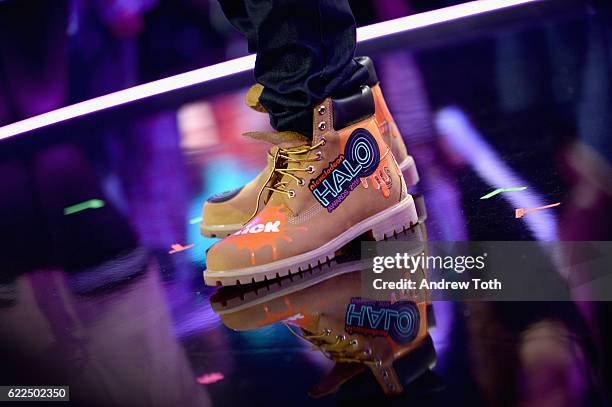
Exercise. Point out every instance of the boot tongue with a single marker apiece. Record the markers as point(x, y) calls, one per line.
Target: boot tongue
point(252, 98)
point(284, 139)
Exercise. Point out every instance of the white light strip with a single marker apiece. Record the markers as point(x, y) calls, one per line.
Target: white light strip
point(243, 64)
point(129, 95)
point(442, 15)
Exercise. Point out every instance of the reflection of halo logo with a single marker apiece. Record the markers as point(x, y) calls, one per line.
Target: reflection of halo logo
point(407, 323)
point(399, 320)
point(361, 148)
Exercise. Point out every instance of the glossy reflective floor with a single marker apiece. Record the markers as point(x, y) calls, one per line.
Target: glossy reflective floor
point(95, 300)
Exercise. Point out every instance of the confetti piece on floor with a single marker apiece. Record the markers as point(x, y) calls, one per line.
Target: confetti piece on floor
point(179, 248)
point(520, 212)
point(91, 204)
point(195, 220)
point(500, 190)
point(209, 378)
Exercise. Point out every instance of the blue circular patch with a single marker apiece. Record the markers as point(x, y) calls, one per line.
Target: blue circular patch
point(362, 148)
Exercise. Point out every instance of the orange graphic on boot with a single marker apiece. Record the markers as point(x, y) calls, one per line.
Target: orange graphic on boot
point(264, 230)
point(295, 316)
point(380, 181)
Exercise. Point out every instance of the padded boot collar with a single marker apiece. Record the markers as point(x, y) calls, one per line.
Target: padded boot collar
point(353, 108)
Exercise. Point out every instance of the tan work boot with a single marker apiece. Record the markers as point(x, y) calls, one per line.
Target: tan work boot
point(356, 333)
point(320, 196)
point(226, 213)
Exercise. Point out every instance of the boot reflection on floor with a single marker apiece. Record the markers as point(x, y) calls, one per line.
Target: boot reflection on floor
point(326, 307)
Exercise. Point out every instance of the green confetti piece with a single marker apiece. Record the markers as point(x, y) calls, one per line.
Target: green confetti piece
point(500, 190)
point(195, 220)
point(490, 194)
point(91, 204)
point(514, 189)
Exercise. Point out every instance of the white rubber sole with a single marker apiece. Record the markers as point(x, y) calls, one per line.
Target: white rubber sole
point(395, 219)
point(261, 294)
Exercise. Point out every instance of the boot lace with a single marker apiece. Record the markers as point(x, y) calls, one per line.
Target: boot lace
point(341, 350)
point(282, 158)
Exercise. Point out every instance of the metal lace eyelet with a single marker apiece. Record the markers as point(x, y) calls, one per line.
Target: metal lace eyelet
point(321, 110)
point(391, 386)
point(354, 342)
point(367, 351)
point(310, 169)
point(323, 140)
point(301, 182)
point(385, 373)
point(291, 193)
point(378, 362)
point(322, 126)
point(318, 155)
point(327, 331)
point(341, 337)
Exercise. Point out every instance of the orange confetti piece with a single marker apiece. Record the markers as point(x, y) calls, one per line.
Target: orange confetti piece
point(520, 212)
point(179, 248)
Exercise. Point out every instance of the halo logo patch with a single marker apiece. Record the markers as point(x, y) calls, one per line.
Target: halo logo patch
point(360, 159)
point(399, 320)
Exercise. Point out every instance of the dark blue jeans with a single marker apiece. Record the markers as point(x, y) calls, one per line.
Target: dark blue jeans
point(305, 52)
